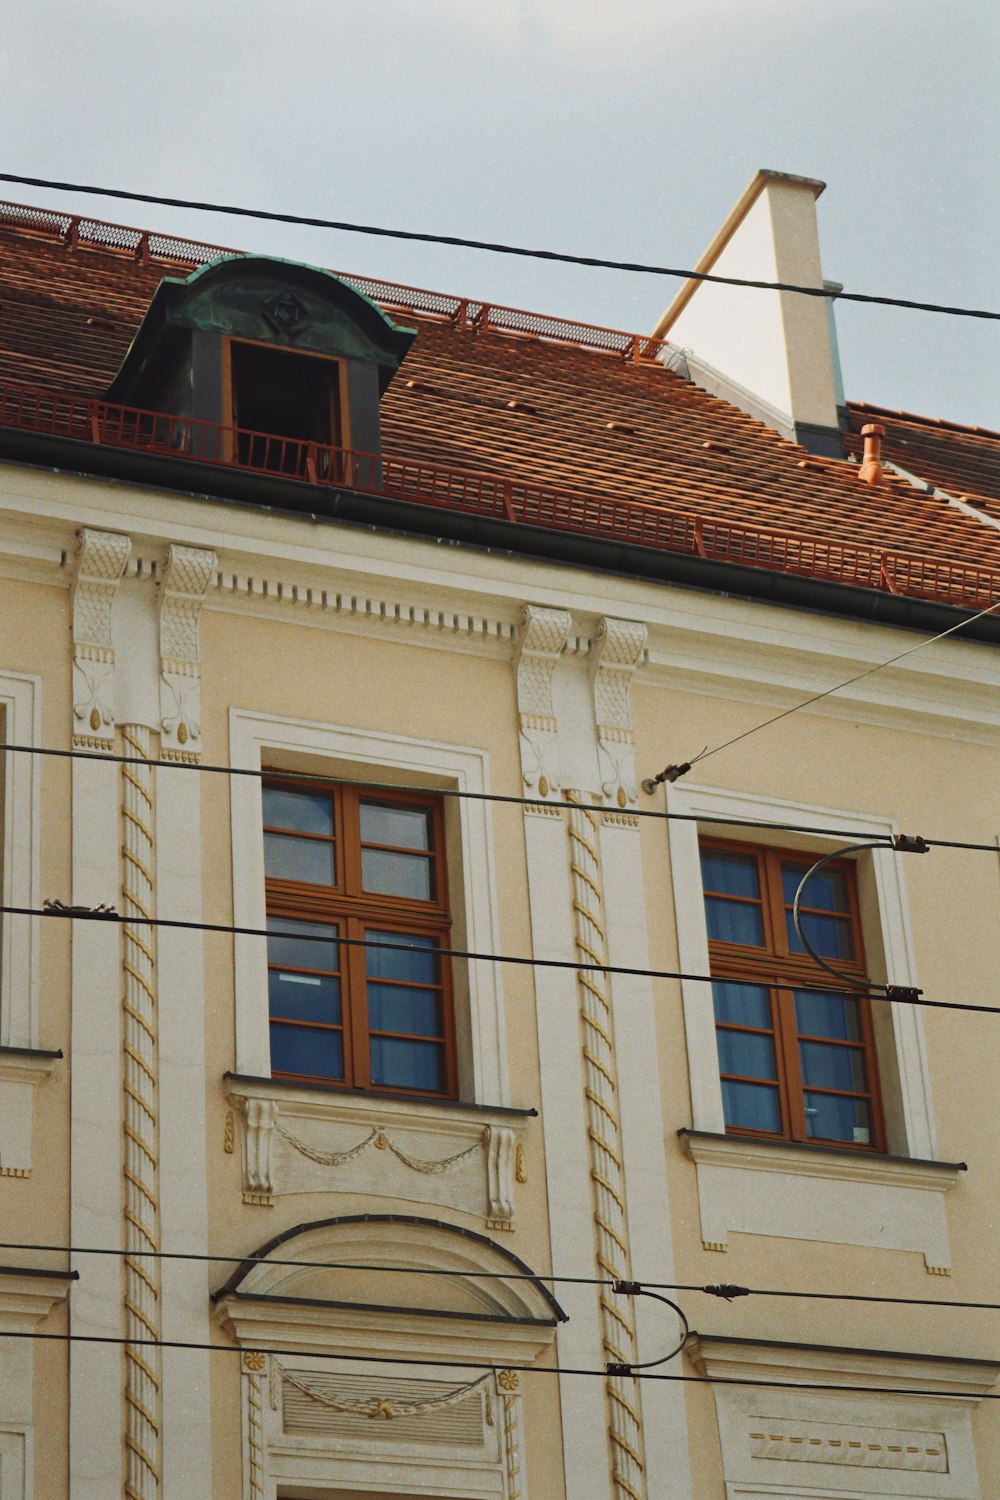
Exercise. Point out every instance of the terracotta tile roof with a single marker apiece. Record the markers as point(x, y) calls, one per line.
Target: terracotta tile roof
point(523, 407)
point(963, 461)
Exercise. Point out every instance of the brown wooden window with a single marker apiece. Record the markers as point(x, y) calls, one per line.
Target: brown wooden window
point(342, 863)
point(796, 1061)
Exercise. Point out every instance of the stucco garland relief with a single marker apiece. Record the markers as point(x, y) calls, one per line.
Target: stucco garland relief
point(186, 579)
point(542, 637)
point(619, 646)
point(99, 566)
point(481, 1173)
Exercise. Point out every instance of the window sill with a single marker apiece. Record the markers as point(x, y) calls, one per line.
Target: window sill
point(307, 1138)
point(824, 1193)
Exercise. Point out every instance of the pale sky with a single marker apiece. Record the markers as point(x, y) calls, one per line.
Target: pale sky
point(624, 130)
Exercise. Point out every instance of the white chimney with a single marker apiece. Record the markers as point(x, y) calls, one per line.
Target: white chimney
point(771, 353)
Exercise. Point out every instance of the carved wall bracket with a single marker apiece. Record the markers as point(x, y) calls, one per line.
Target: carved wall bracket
point(542, 637)
point(188, 574)
point(618, 650)
point(100, 564)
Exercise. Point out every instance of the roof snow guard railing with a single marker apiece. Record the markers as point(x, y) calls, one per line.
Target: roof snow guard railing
point(515, 501)
point(77, 232)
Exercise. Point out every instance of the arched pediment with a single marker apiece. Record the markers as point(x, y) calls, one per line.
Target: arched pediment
point(443, 1271)
point(264, 300)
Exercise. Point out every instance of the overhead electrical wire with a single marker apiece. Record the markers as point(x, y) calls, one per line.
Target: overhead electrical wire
point(893, 994)
point(674, 773)
point(725, 1291)
point(313, 222)
point(462, 794)
point(472, 1364)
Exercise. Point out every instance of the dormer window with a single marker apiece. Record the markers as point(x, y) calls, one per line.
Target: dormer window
point(279, 365)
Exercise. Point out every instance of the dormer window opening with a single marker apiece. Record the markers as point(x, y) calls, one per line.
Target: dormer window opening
point(281, 401)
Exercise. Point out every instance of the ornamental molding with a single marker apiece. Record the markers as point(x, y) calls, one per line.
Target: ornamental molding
point(791, 1441)
point(458, 625)
point(186, 579)
point(930, 1377)
point(461, 1161)
point(98, 569)
point(542, 639)
point(619, 647)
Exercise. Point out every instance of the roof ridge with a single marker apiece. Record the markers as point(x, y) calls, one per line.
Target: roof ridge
point(910, 416)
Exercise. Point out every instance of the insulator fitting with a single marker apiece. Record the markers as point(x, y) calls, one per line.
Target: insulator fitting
point(910, 843)
point(627, 1288)
point(905, 992)
point(613, 1369)
point(727, 1291)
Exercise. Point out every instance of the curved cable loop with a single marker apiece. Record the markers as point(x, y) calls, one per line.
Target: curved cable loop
point(634, 1289)
point(853, 980)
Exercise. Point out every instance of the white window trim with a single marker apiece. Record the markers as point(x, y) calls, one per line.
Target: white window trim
point(253, 737)
point(20, 700)
point(708, 803)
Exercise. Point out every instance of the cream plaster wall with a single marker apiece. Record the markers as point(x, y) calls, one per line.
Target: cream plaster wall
point(920, 744)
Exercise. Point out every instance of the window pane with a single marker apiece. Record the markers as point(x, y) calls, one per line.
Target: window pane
point(825, 1065)
point(827, 1015)
point(741, 1005)
point(407, 1065)
point(305, 812)
point(298, 859)
point(837, 1119)
point(830, 936)
point(732, 923)
point(729, 873)
point(417, 962)
point(827, 889)
point(289, 943)
point(752, 1105)
point(393, 1008)
point(387, 874)
point(388, 823)
point(304, 997)
point(310, 1053)
point(746, 1054)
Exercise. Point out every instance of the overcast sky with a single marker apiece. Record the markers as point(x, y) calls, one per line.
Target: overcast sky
point(617, 128)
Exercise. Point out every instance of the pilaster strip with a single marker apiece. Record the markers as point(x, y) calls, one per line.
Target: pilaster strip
point(610, 1222)
point(512, 1444)
point(141, 1272)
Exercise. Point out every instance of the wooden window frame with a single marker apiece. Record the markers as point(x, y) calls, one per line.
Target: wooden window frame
point(340, 424)
point(782, 972)
point(346, 906)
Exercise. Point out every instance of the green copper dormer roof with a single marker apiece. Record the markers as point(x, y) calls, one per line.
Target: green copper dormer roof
point(268, 300)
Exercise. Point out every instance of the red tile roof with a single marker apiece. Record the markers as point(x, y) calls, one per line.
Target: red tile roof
point(536, 399)
point(962, 461)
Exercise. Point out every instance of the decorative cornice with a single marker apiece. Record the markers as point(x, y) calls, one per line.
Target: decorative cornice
point(618, 649)
point(99, 566)
point(542, 638)
point(186, 580)
point(770, 1359)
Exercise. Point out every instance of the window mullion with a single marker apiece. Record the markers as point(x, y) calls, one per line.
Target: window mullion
point(788, 1045)
point(356, 1007)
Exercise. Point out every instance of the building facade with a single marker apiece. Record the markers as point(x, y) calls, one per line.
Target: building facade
point(417, 1025)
